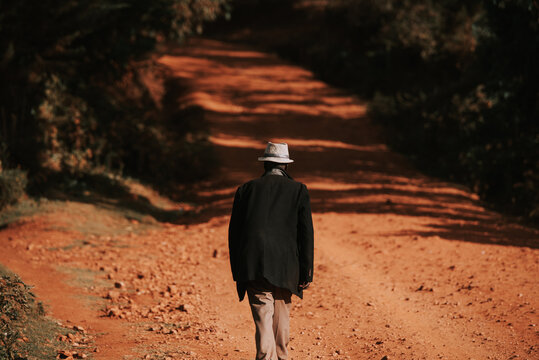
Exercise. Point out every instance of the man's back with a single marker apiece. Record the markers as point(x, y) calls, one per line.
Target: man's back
point(271, 234)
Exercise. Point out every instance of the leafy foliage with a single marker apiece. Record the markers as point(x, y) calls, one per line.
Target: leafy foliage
point(12, 186)
point(80, 88)
point(17, 306)
point(25, 331)
point(479, 124)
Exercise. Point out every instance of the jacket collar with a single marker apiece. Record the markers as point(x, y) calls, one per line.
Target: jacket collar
point(278, 172)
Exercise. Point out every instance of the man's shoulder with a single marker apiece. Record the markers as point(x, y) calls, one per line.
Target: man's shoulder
point(283, 181)
point(248, 184)
point(272, 178)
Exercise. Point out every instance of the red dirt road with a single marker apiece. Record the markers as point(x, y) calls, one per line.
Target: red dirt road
point(406, 266)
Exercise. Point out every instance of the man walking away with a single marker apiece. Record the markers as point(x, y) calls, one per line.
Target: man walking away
point(271, 243)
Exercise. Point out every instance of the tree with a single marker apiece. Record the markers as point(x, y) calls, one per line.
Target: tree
point(63, 67)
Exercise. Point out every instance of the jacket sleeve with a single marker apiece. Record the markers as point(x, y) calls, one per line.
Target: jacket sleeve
point(305, 237)
point(234, 229)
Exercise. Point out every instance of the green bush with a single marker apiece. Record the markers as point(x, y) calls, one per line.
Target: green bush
point(25, 331)
point(17, 306)
point(480, 127)
point(12, 186)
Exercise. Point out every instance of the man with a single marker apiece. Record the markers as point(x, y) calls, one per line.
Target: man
point(271, 242)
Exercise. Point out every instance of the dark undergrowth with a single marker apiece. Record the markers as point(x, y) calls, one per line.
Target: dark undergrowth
point(82, 92)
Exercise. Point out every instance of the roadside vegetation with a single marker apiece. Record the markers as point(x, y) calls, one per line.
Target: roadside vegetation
point(454, 82)
point(82, 94)
point(25, 332)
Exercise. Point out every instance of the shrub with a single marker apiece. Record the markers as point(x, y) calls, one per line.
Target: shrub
point(12, 186)
point(479, 128)
point(17, 306)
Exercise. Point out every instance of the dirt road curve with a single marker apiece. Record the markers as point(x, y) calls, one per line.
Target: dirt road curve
point(406, 266)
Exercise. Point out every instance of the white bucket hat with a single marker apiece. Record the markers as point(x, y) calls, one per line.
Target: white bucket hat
point(276, 152)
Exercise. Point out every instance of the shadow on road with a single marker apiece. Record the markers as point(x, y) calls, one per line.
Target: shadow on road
point(251, 97)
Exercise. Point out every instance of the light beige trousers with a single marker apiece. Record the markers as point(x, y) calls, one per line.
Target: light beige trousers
point(270, 306)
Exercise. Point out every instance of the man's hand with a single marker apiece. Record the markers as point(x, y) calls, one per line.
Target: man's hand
point(304, 285)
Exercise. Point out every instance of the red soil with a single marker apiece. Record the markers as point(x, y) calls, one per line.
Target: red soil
point(406, 266)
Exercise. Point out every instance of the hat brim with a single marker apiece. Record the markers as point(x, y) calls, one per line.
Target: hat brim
point(276, 160)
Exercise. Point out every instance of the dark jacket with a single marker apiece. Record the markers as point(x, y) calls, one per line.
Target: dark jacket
point(270, 234)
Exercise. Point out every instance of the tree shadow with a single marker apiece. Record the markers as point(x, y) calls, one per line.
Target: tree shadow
point(108, 192)
point(487, 232)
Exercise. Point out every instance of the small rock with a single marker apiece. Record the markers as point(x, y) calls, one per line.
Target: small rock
point(186, 308)
point(119, 285)
point(64, 354)
point(113, 311)
point(113, 295)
